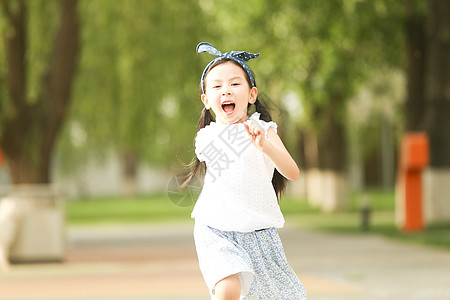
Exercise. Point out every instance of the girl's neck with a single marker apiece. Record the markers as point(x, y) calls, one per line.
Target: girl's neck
point(242, 120)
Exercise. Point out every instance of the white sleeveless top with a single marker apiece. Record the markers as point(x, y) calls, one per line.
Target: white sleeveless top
point(237, 194)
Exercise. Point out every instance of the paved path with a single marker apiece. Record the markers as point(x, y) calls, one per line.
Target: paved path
point(158, 262)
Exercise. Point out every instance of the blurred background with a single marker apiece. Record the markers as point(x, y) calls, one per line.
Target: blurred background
point(102, 97)
point(100, 100)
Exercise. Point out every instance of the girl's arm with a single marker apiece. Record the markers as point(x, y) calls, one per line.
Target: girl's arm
point(274, 149)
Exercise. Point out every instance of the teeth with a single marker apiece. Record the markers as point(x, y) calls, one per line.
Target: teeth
point(228, 106)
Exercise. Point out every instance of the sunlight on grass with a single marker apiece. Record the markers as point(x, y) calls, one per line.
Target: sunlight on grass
point(159, 208)
point(144, 209)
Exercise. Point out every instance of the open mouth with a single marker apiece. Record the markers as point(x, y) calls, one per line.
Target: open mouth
point(228, 106)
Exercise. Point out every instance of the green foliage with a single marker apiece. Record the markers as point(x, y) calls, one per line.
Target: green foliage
point(137, 89)
point(323, 51)
point(137, 86)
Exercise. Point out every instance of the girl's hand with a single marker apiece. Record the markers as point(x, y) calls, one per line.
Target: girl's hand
point(257, 135)
point(274, 149)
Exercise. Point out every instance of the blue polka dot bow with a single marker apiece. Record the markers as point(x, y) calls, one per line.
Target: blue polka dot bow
point(240, 57)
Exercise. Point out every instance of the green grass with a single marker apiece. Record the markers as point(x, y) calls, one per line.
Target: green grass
point(160, 208)
point(382, 220)
point(142, 209)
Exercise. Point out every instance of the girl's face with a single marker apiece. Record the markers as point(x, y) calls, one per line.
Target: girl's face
point(228, 93)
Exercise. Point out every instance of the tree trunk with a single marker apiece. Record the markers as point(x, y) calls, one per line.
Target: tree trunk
point(30, 131)
point(129, 162)
point(437, 177)
point(332, 142)
point(415, 67)
point(438, 96)
point(332, 159)
point(326, 159)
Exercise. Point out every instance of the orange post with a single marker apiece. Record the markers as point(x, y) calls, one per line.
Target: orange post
point(413, 159)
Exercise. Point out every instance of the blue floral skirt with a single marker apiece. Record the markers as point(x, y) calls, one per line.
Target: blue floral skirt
point(257, 257)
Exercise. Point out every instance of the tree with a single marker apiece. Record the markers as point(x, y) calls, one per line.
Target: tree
point(415, 36)
point(323, 52)
point(336, 47)
point(437, 121)
point(36, 86)
point(136, 91)
point(438, 97)
point(427, 104)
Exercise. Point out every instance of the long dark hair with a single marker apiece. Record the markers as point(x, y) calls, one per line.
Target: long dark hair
point(279, 182)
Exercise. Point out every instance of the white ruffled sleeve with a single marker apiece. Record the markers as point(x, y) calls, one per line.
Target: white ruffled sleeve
point(256, 118)
point(202, 139)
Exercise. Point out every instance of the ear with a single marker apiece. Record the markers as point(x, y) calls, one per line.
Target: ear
point(205, 101)
point(253, 95)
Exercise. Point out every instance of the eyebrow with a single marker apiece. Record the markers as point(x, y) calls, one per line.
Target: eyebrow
point(231, 79)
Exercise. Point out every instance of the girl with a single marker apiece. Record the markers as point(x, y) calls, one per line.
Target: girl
point(246, 164)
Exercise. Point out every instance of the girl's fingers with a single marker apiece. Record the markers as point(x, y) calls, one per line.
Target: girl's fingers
point(250, 129)
point(247, 128)
point(255, 133)
point(253, 129)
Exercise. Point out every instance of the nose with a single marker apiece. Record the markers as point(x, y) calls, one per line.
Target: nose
point(226, 91)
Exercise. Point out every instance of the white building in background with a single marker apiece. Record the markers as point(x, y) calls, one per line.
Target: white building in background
point(104, 179)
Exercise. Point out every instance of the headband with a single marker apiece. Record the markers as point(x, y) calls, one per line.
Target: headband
point(241, 57)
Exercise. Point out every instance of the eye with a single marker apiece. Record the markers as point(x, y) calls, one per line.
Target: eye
point(216, 87)
point(235, 84)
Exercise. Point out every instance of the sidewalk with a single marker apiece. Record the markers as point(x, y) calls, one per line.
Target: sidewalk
point(158, 262)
